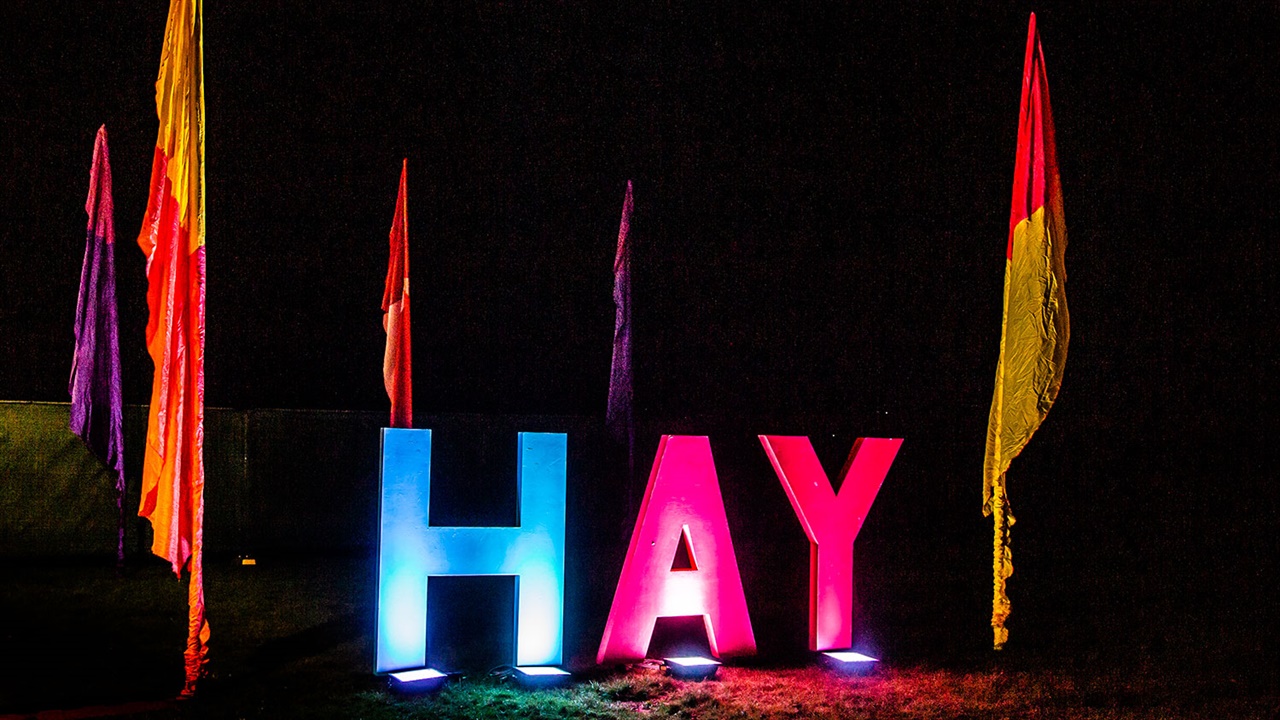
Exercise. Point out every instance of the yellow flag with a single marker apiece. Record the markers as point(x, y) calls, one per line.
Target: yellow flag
point(1033, 340)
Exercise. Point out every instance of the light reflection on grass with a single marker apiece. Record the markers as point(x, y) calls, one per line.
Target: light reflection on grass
point(294, 641)
point(814, 692)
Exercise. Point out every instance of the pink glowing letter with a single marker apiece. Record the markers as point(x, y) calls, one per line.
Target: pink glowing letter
point(832, 522)
point(682, 503)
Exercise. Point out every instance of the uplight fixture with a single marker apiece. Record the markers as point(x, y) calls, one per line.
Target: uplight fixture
point(691, 667)
point(420, 680)
point(848, 661)
point(540, 675)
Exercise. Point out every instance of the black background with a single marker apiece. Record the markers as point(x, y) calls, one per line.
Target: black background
point(822, 198)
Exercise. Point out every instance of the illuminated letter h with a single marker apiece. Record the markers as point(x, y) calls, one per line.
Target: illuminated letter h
point(411, 551)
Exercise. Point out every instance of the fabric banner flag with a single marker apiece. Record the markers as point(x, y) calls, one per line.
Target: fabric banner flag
point(96, 408)
point(173, 238)
point(618, 414)
point(1033, 341)
point(397, 361)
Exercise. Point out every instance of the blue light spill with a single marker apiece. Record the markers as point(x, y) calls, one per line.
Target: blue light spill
point(411, 551)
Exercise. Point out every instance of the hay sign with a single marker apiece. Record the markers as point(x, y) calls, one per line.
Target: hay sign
point(682, 504)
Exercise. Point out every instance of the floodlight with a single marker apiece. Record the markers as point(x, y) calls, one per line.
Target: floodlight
point(691, 667)
point(849, 661)
point(540, 675)
point(420, 680)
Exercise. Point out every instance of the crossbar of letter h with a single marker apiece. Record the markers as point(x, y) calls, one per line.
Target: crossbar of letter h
point(411, 551)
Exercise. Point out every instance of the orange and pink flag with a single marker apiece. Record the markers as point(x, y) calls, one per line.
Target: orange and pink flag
point(1035, 330)
point(397, 360)
point(173, 238)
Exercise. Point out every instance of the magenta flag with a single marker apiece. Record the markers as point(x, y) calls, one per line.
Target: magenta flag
point(96, 409)
point(618, 417)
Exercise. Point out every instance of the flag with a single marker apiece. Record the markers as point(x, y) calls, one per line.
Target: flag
point(618, 417)
point(96, 409)
point(1033, 340)
point(397, 361)
point(173, 240)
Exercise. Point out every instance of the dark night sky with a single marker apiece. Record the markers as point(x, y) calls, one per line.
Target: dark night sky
point(822, 197)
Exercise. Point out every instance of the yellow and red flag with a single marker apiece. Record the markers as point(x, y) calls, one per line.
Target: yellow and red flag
point(1033, 340)
point(397, 360)
point(172, 238)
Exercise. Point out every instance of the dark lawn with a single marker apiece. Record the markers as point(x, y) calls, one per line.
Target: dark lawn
point(293, 639)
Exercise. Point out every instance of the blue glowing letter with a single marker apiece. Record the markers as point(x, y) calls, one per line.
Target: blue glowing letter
point(410, 550)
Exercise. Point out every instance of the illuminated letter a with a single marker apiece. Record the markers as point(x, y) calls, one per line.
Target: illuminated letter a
point(682, 503)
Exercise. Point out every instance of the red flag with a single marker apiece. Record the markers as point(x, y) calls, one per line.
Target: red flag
point(172, 238)
point(397, 361)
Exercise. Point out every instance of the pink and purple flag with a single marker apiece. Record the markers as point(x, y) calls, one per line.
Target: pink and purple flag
point(96, 409)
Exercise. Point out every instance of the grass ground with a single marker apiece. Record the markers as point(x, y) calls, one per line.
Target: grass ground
point(292, 640)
